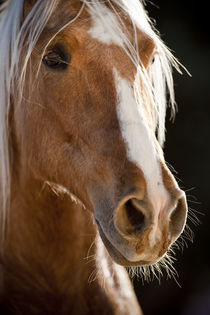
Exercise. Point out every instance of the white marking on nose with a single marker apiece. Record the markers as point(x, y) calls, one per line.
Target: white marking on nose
point(140, 143)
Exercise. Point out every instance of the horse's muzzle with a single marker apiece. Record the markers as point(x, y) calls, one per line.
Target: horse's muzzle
point(140, 234)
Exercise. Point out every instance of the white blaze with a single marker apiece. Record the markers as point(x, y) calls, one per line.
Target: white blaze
point(105, 27)
point(140, 144)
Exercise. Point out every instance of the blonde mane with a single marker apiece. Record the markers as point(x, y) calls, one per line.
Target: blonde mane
point(15, 34)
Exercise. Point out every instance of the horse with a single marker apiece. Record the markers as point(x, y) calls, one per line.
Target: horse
point(85, 189)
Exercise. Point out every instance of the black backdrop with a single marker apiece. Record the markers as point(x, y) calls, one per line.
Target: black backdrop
point(183, 25)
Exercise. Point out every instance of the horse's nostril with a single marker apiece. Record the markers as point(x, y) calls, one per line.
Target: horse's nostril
point(178, 218)
point(130, 218)
point(134, 215)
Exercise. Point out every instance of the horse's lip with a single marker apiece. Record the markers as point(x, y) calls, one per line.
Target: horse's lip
point(115, 254)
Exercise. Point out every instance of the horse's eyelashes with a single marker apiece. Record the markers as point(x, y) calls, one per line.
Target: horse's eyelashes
point(55, 60)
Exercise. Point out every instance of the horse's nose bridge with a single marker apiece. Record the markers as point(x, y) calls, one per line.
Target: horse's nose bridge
point(159, 190)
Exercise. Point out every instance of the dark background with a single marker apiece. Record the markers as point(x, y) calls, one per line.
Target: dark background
point(184, 28)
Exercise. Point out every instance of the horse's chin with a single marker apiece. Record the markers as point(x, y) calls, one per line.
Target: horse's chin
point(116, 255)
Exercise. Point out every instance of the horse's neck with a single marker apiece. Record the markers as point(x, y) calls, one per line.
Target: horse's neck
point(51, 233)
point(53, 252)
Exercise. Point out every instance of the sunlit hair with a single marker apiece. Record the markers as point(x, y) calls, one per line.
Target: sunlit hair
point(15, 33)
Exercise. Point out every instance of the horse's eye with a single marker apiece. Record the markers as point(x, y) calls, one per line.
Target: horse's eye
point(55, 60)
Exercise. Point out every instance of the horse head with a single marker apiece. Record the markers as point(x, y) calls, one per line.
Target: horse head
point(92, 104)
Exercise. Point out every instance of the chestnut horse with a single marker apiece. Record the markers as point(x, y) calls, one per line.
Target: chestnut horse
point(84, 185)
